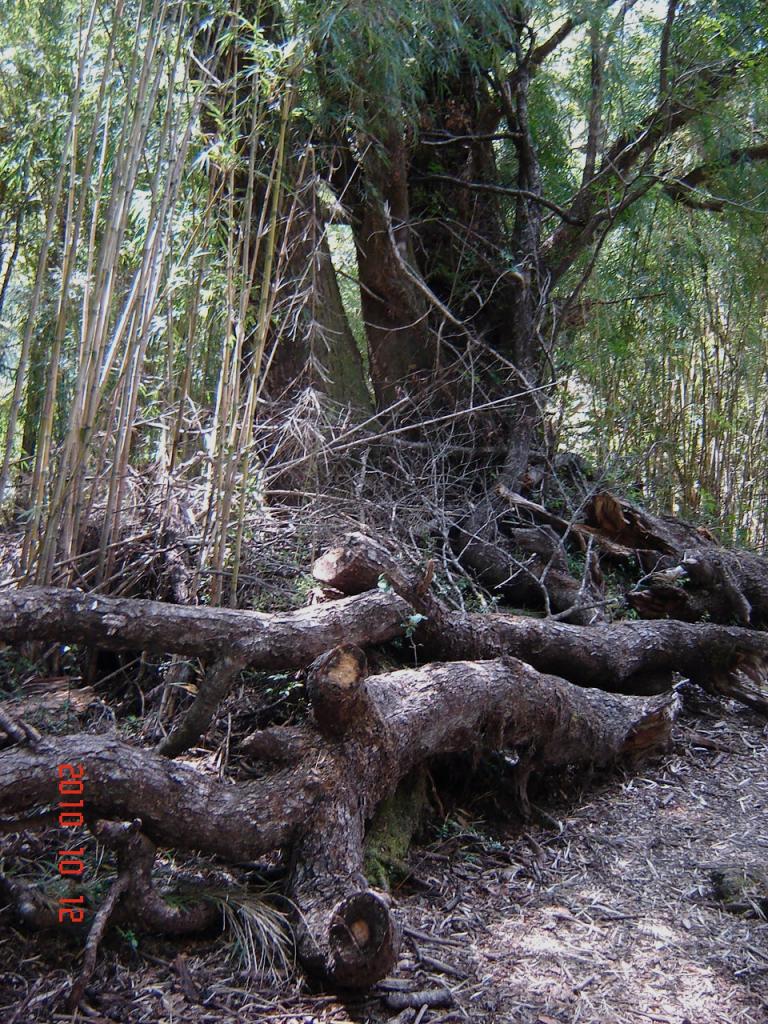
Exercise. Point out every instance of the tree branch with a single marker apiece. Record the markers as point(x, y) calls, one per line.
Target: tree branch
point(666, 39)
point(540, 53)
point(600, 49)
point(594, 123)
point(683, 189)
point(702, 87)
point(503, 190)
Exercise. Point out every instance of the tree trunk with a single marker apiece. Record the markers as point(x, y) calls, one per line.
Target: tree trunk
point(319, 806)
point(459, 230)
point(309, 341)
point(628, 657)
point(264, 640)
point(401, 346)
point(230, 640)
point(316, 345)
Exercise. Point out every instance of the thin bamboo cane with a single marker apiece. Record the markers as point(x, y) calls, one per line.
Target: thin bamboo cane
point(42, 262)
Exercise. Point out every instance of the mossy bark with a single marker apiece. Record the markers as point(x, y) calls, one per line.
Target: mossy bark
point(398, 819)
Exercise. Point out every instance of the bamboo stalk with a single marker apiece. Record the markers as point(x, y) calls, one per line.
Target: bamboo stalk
point(42, 262)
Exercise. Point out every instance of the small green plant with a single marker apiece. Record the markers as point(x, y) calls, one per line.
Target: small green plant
point(470, 833)
point(576, 565)
point(130, 937)
point(412, 623)
point(282, 685)
point(303, 587)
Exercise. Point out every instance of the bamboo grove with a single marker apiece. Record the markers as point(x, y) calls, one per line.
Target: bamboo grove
point(181, 301)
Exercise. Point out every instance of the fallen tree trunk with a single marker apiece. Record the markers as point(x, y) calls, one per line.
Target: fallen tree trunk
point(628, 657)
point(633, 657)
point(527, 567)
point(231, 640)
point(319, 805)
point(688, 575)
point(265, 640)
point(323, 781)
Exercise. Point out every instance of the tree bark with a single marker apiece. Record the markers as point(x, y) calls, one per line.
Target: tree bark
point(628, 657)
point(459, 230)
point(178, 805)
point(319, 808)
point(320, 350)
point(231, 640)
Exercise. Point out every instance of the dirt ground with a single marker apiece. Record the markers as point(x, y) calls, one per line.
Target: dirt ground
point(602, 912)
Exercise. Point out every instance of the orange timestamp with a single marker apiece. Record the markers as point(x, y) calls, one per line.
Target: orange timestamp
point(70, 862)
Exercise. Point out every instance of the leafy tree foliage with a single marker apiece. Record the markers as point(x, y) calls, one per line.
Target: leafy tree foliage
point(552, 210)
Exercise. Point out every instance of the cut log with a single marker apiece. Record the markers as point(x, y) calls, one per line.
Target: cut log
point(625, 657)
point(715, 584)
point(231, 640)
point(177, 805)
point(409, 717)
point(335, 688)
point(319, 807)
point(631, 657)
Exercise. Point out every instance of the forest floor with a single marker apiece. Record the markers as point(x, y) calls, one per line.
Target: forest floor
point(602, 912)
